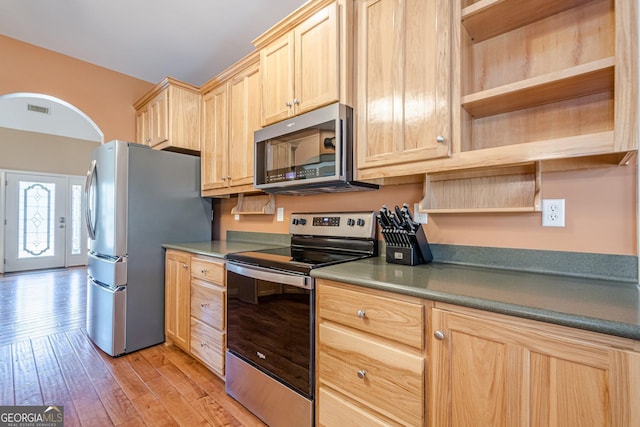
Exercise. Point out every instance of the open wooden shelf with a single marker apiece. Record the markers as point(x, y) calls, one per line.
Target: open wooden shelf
point(489, 18)
point(260, 204)
point(581, 80)
point(501, 189)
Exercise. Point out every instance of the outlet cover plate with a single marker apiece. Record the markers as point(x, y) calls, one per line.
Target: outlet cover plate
point(553, 212)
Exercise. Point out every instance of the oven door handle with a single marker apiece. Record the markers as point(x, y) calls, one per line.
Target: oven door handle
point(267, 274)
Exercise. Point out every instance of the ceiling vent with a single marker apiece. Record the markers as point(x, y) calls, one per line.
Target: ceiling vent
point(38, 109)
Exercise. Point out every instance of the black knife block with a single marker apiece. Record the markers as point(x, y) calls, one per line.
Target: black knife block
point(405, 247)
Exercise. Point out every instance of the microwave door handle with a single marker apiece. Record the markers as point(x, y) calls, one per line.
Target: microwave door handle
point(341, 151)
point(91, 176)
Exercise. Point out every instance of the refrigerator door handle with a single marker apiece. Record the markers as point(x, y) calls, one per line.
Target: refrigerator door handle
point(91, 175)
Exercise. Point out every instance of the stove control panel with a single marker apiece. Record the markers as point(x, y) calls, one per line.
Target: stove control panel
point(360, 225)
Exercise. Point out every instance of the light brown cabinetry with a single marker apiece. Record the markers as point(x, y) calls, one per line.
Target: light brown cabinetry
point(230, 115)
point(370, 357)
point(403, 76)
point(546, 79)
point(208, 312)
point(195, 307)
point(491, 369)
point(177, 298)
point(168, 117)
point(549, 83)
point(304, 60)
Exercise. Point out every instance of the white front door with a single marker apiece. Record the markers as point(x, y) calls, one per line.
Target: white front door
point(36, 221)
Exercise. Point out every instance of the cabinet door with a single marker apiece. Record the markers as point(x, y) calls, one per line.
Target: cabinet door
point(177, 298)
point(158, 118)
point(142, 126)
point(316, 74)
point(214, 139)
point(276, 68)
point(244, 119)
point(497, 373)
point(403, 82)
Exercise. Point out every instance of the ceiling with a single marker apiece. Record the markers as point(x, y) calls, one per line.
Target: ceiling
point(190, 40)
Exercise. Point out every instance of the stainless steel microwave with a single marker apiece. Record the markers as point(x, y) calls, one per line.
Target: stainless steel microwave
point(308, 154)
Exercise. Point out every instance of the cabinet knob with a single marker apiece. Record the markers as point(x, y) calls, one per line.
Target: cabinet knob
point(147, 139)
point(362, 373)
point(361, 314)
point(296, 101)
point(185, 266)
point(288, 103)
point(228, 177)
point(439, 335)
point(441, 139)
point(203, 271)
point(204, 304)
point(224, 178)
point(203, 344)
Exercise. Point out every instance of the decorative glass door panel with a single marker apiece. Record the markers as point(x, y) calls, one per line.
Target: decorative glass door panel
point(36, 222)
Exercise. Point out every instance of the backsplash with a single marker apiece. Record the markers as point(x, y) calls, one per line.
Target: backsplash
point(622, 268)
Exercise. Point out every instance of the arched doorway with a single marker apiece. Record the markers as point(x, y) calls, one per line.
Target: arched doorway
point(45, 144)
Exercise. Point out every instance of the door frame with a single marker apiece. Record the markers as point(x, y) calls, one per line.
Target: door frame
point(69, 260)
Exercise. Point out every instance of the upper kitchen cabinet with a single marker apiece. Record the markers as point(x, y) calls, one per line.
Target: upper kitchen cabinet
point(167, 117)
point(305, 60)
point(546, 82)
point(546, 79)
point(230, 115)
point(403, 70)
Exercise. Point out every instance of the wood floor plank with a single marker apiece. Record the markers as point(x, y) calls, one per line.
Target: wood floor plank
point(177, 406)
point(213, 385)
point(25, 380)
point(126, 377)
point(46, 357)
point(152, 411)
point(178, 379)
point(6, 377)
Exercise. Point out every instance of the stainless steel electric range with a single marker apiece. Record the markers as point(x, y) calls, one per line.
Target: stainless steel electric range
point(270, 313)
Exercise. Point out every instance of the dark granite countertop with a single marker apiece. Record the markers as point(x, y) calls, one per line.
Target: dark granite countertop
point(609, 307)
point(218, 248)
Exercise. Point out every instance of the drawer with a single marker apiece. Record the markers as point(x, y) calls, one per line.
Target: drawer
point(384, 378)
point(335, 410)
point(208, 269)
point(382, 315)
point(208, 345)
point(208, 304)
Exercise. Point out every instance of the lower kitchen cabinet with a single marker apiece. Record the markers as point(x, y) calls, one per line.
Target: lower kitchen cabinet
point(177, 298)
point(370, 357)
point(491, 369)
point(196, 301)
point(208, 312)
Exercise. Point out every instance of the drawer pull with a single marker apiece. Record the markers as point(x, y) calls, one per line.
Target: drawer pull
point(203, 344)
point(204, 304)
point(361, 314)
point(362, 373)
point(439, 335)
point(203, 271)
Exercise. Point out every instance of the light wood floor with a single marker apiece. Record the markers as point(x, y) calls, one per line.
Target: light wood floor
point(46, 358)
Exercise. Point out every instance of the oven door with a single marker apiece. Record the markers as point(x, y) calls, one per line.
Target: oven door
point(270, 323)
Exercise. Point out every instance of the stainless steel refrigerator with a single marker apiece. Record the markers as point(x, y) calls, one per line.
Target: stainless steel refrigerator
point(137, 199)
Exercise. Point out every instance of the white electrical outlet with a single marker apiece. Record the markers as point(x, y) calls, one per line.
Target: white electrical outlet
point(419, 217)
point(553, 212)
point(280, 215)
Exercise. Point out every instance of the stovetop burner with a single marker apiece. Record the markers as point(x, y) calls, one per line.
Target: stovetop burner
point(318, 240)
point(288, 259)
